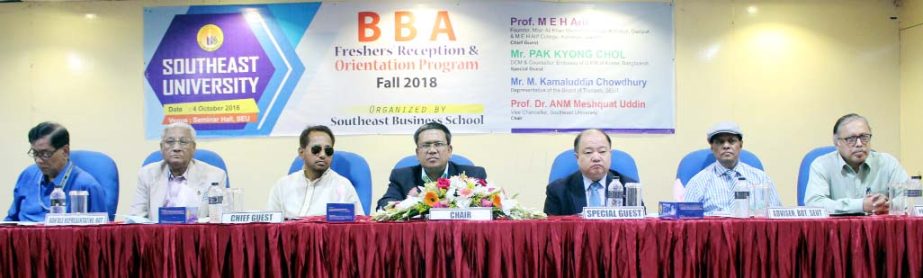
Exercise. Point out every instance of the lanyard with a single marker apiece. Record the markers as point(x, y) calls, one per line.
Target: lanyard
point(67, 174)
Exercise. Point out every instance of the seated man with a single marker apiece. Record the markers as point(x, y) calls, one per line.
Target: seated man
point(714, 186)
point(53, 168)
point(307, 193)
point(434, 148)
point(587, 186)
point(178, 180)
point(853, 179)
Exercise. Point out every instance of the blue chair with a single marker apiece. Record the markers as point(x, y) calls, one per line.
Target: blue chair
point(695, 161)
point(566, 163)
point(203, 155)
point(411, 160)
point(103, 168)
point(804, 171)
point(353, 167)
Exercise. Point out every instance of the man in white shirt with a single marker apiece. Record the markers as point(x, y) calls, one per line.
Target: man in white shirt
point(307, 193)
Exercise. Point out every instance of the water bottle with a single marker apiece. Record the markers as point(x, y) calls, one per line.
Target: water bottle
point(914, 196)
point(215, 203)
point(760, 200)
point(58, 200)
point(741, 206)
point(614, 193)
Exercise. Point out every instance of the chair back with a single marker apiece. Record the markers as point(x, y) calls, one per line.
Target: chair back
point(411, 160)
point(566, 163)
point(104, 170)
point(351, 166)
point(207, 156)
point(804, 171)
point(694, 162)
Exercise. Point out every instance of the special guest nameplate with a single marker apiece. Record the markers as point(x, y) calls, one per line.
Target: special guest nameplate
point(613, 212)
point(251, 217)
point(480, 214)
point(797, 213)
point(83, 219)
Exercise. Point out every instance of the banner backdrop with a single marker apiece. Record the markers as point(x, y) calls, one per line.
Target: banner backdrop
point(370, 68)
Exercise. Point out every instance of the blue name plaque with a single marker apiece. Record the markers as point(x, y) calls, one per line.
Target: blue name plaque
point(340, 212)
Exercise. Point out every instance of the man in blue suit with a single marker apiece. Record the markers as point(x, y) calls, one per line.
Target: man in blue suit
point(434, 148)
point(585, 187)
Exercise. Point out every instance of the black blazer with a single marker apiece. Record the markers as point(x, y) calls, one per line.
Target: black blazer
point(567, 196)
point(404, 179)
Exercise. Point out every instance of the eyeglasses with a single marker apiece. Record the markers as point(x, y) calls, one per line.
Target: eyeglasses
point(181, 142)
point(41, 154)
point(865, 138)
point(435, 145)
point(328, 150)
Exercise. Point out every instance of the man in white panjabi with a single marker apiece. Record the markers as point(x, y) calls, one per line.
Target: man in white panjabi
point(306, 193)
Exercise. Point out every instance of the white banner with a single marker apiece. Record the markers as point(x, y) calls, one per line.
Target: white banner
point(367, 68)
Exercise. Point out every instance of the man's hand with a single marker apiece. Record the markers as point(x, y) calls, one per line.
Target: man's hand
point(876, 204)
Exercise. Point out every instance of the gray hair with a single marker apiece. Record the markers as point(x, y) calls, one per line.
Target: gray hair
point(181, 125)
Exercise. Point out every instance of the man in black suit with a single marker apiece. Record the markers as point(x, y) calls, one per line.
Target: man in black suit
point(434, 148)
point(569, 195)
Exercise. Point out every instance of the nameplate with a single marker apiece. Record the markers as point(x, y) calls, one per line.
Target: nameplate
point(918, 211)
point(341, 212)
point(682, 210)
point(251, 217)
point(82, 219)
point(613, 213)
point(177, 215)
point(461, 214)
point(797, 213)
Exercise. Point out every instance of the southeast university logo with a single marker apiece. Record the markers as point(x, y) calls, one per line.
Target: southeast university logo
point(210, 37)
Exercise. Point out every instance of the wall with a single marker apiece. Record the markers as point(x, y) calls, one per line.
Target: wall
point(785, 70)
point(911, 32)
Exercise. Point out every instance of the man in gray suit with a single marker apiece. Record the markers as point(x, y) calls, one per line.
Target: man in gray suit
point(178, 180)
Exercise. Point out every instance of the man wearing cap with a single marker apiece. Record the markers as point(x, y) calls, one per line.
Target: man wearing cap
point(853, 179)
point(714, 185)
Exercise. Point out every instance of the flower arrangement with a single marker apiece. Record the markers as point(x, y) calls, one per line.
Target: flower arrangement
point(458, 191)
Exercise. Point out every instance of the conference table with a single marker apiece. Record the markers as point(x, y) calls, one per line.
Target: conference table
point(570, 246)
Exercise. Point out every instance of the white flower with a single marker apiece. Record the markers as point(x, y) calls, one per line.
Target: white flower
point(508, 205)
point(409, 203)
point(463, 202)
point(457, 182)
point(450, 193)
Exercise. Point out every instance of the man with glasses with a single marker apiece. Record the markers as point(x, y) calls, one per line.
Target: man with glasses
point(434, 148)
point(853, 179)
point(178, 180)
point(307, 193)
point(53, 168)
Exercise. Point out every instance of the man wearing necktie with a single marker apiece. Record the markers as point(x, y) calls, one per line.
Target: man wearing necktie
point(587, 186)
point(434, 150)
point(714, 186)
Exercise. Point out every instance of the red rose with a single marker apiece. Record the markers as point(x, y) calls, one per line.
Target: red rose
point(442, 183)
